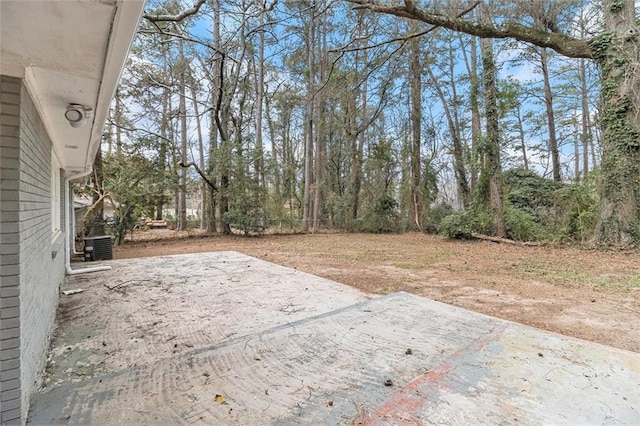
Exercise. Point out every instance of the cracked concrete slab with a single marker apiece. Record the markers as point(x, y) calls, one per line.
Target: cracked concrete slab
point(222, 338)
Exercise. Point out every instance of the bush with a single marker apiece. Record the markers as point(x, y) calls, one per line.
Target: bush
point(528, 192)
point(577, 211)
point(540, 208)
point(462, 225)
point(248, 221)
point(522, 226)
point(383, 218)
point(436, 215)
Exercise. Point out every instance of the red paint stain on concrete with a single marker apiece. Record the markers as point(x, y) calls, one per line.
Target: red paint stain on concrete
point(402, 407)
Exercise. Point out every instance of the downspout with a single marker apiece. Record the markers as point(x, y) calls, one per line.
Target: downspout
point(69, 206)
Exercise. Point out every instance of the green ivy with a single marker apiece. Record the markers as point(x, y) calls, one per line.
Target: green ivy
point(601, 45)
point(616, 6)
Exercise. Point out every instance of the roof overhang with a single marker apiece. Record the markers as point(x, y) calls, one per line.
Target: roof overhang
point(69, 51)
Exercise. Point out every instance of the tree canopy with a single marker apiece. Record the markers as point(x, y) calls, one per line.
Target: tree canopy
point(385, 116)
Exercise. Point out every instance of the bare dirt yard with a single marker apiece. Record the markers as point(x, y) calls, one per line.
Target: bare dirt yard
point(592, 295)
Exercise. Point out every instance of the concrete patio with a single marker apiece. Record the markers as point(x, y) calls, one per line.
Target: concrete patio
point(223, 338)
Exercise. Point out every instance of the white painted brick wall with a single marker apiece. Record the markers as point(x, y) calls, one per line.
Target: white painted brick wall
point(40, 275)
point(10, 393)
point(30, 276)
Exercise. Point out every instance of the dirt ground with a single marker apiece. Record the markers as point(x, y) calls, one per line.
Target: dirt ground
point(592, 295)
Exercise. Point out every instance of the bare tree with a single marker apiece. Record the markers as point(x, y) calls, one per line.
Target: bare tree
point(415, 82)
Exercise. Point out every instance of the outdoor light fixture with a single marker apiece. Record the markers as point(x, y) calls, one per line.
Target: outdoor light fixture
point(77, 114)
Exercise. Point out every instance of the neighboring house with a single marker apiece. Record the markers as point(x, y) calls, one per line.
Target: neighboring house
point(82, 204)
point(194, 207)
point(53, 53)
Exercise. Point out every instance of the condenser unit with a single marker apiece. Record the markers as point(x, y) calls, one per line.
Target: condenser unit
point(98, 248)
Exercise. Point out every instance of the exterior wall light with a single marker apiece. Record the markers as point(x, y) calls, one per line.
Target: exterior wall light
point(77, 114)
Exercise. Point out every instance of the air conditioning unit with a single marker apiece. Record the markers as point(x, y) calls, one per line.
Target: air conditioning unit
point(98, 248)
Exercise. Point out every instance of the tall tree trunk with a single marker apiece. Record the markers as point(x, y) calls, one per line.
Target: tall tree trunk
point(319, 169)
point(164, 136)
point(356, 139)
point(548, 102)
point(355, 172)
point(275, 151)
point(308, 145)
point(318, 201)
point(221, 118)
point(617, 53)
point(290, 184)
point(359, 146)
point(458, 144)
point(523, 140)
point(471, 63)
point(203, 186)
point(182, 108)
point(225, 169)
point(493, 168)
point(415, 81)
point(476, 128)
point(162, 156)
point(576, 152)
point(355, 177)
point(586, 125)
point(216, 90)
point(260, 169)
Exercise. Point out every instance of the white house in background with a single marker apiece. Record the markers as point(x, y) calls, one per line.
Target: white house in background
point(82, 204)
point(60, 61)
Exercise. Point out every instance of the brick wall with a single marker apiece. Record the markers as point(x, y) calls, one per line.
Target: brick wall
point(31, 274)
point(10, 395)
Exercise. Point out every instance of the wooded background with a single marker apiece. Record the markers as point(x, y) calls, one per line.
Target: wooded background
point(457, 117)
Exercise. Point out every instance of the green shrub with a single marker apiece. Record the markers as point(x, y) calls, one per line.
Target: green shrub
point(462, 225)
point(540, 208)
point(522, 226)
point(528, 192)
point(193, 224)
point(577, 212)
point(248, 221)
point(435, 216)
point(383, 218)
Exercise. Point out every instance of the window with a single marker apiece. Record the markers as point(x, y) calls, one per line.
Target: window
point(55, 195)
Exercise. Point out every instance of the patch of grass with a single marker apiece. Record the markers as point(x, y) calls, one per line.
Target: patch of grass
point(409, 279)
point(455, 268)
point(389, 289)
point(602, 282)
point(576, 277)
point(428, 259)
point(360, 256)
point(439, 254)
point(408, 265)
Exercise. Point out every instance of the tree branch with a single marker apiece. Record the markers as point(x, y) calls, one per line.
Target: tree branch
point(181, 36)
point(218, 108)
point(137, 129)
point(176, 18)
point(200, 172)
point(404, 38)
point(561, 43)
